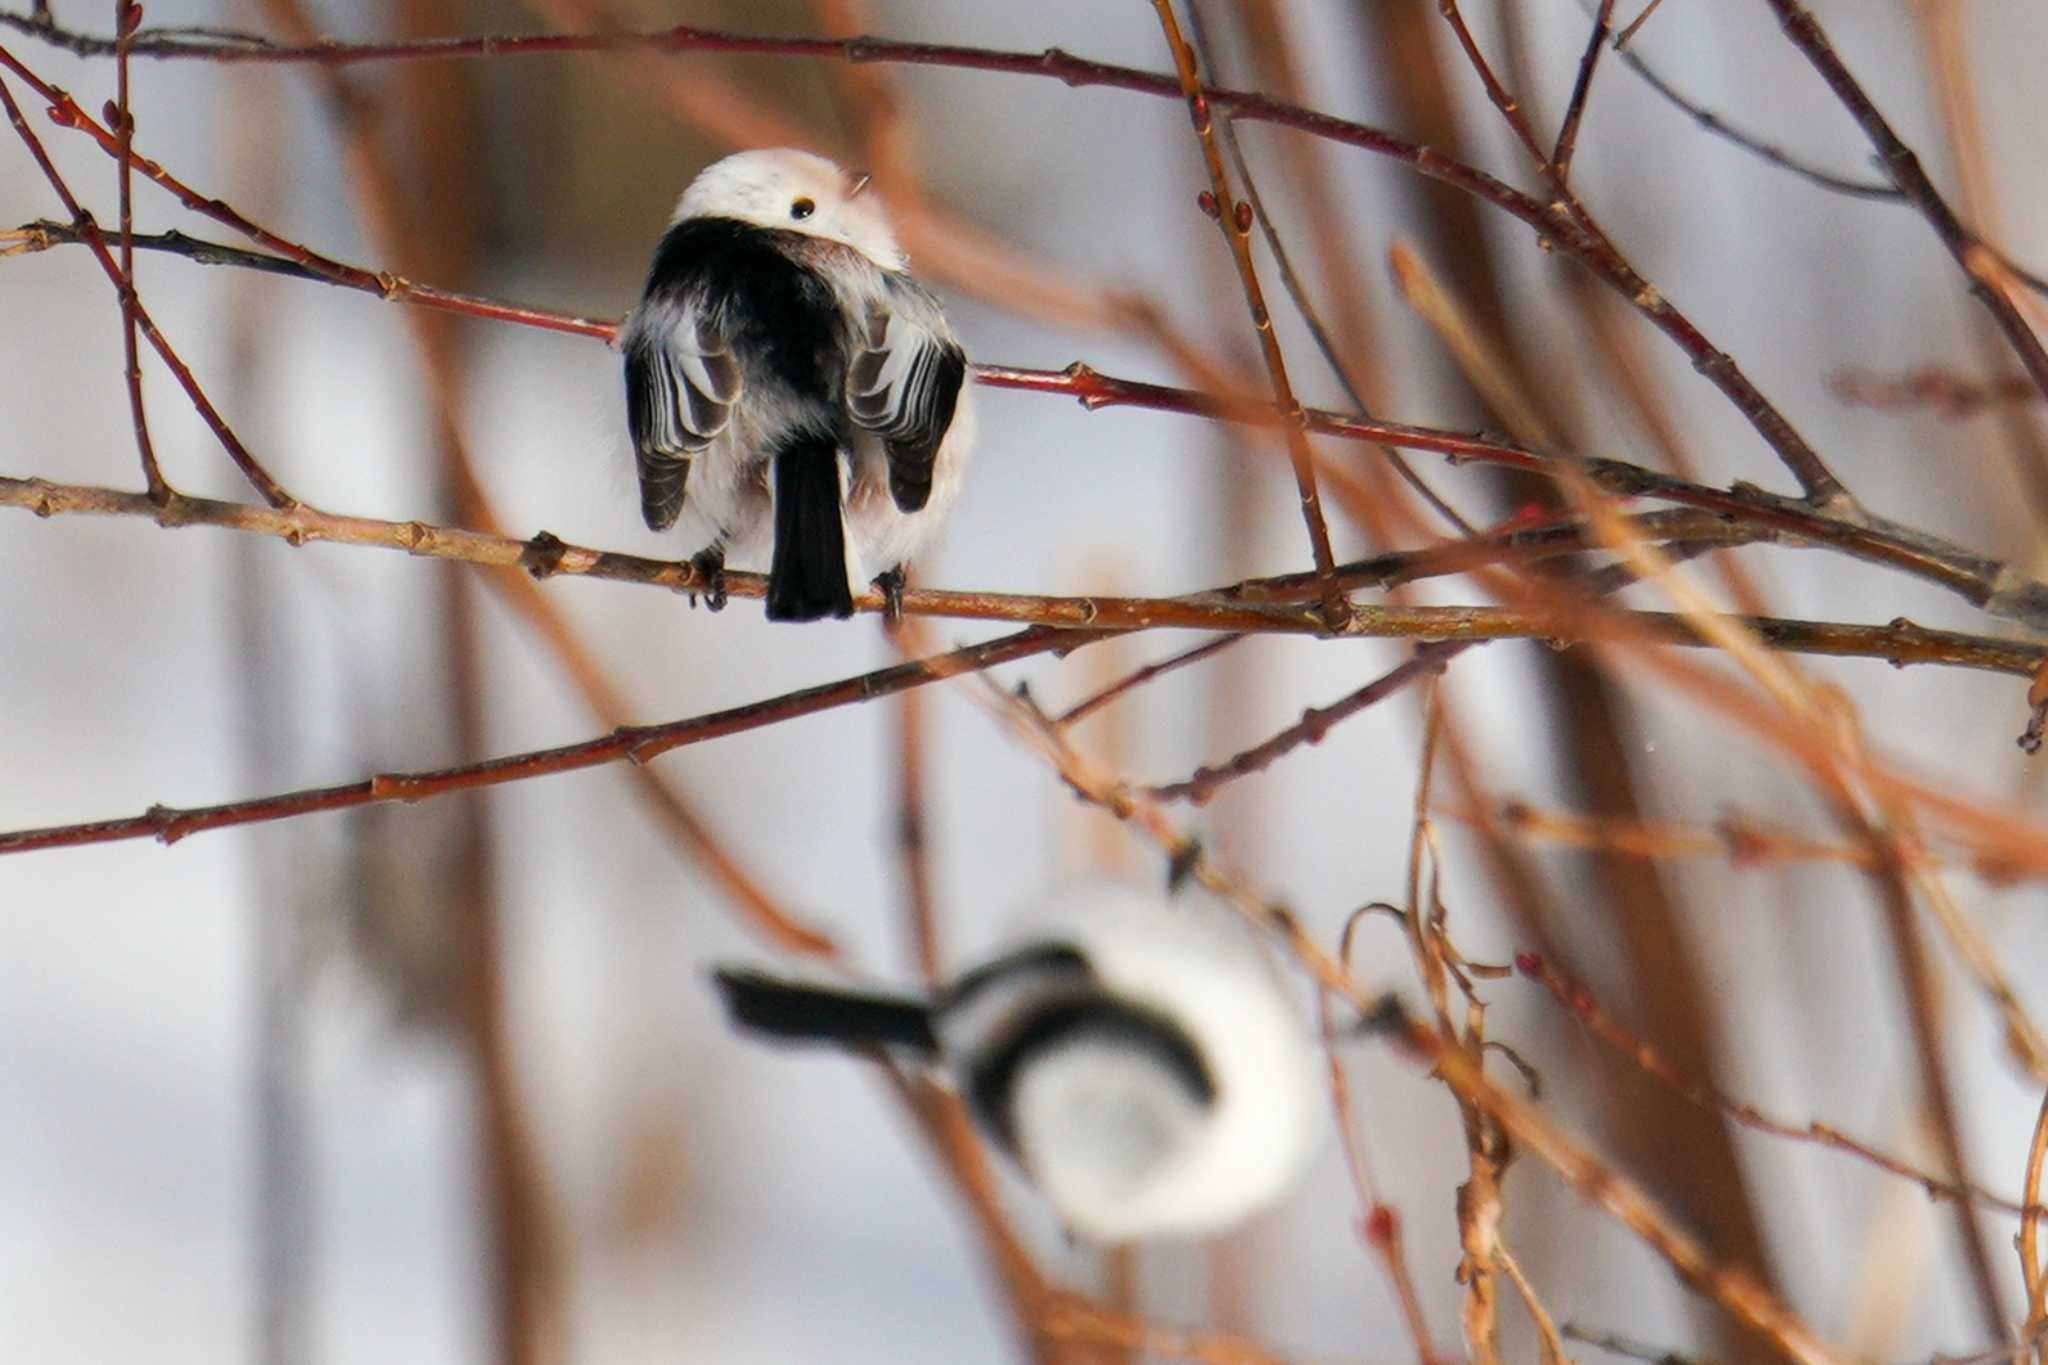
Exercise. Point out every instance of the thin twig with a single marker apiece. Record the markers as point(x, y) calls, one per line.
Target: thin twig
point(1139, 677)
point(42, 234)
point(126, 16)
point(1904, 167)
point(2032, 1274)
point(1379, 1223)
point(1316, 722)
point(1234, 219)
point(1614, 1343)
point(1931, 386)
point(272, 491)
point(1573, 219)
point(1714, 124)
point(1496, 92)
point(1702, 1093)
point(1552, 1348)
point(1298, 293)
point(1636, 24)
point(633, 743)
point(1741, 841)
point(1916, 968)
point(1582, 86)
point(1730, 1286)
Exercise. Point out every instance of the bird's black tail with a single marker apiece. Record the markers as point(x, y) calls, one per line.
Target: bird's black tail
point(807, 577)
point(803, 1011)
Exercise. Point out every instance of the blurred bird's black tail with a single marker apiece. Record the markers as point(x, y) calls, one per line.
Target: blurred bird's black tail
point(807, 577)
point(806, 1012)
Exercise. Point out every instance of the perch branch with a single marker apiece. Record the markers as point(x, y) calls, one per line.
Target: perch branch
point(1983, 581)
point(1900, 643)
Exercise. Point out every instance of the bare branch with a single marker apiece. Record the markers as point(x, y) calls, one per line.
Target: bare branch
point(1697, 1091)
point(1977, 260)
point(1233, 218)
point(1582, 87)
point(638, 744)
point(273, 492)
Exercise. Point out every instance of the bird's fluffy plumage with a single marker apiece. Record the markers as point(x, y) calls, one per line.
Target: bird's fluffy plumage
point(1138, 1059)
point(778, 318)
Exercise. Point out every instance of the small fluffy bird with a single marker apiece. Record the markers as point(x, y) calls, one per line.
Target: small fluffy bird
point(786, 375)
point(1137, 1059)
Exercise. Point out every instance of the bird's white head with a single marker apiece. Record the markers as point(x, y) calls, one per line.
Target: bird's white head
point(797, 191)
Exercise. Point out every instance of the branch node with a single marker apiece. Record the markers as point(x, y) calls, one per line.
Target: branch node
point(165, 818)
point(542, 555)
point(2037, 723)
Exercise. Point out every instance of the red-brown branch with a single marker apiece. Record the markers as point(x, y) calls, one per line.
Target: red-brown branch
point(126, 16)
point(1970, 251)
point(638, 744)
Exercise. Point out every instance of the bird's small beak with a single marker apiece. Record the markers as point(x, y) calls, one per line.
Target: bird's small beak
point(860, 183)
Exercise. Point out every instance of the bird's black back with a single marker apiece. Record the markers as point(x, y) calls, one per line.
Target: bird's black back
point(1096, 1018)
point(777, 313)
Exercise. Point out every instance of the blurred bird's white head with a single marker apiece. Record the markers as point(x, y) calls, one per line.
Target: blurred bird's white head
point(799, 192)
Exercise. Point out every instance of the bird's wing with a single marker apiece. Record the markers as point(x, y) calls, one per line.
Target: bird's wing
point(904, 383)
point(681, 384)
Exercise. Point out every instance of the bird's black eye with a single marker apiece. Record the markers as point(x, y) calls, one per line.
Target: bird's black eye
point(802, 208)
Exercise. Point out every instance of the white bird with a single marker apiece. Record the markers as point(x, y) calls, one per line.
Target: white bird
point(786, 374)
point(1137, 1059)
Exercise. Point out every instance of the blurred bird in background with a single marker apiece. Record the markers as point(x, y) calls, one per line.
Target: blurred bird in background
point(1138, 1059)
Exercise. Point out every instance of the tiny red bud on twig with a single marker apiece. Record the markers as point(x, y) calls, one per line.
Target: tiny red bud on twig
point(1529, 964)
point(131, 19)
point(1206, 202)
point(1244, 215)
point(62, 116)
point(1381, 1225)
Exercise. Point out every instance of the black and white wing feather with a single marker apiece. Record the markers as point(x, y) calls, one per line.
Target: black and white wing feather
point(904, 383)
point(681, 384)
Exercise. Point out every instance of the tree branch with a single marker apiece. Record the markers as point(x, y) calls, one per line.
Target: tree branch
point(1983, 581)
point(1976, 259)
point(638, 744)
point(1233, 218)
